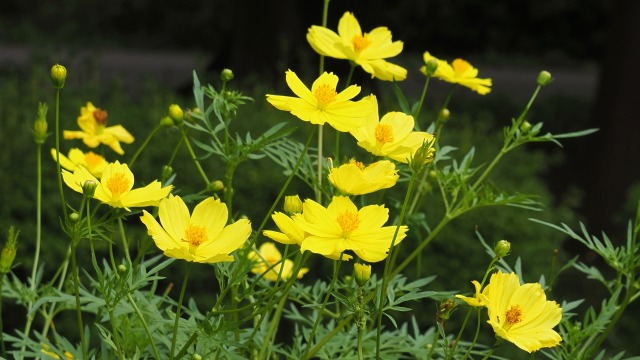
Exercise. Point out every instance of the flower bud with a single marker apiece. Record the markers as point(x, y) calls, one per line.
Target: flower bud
point(167, 171)
point(40, 125)
point(422, 156)
point(431, 66)
point(544, 78)
point(122, 268)
point(444, 115)
point(188, 115)
point(74, 217)
point(9, 251)
point(362, 273)
point(525, 126)
point(175, 113)
point(502, 248)
point(167, 122)
point(196, 356)
point(445, 309)
point(58, 76)
point(226, 75)
point(292, 204)
point(89, 188)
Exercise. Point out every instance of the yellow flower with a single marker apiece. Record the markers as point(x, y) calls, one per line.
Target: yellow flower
point(323, 104)
point(91, 161)
point(459, 72)
point(365, 49)
point(115, 187)
point(199, 237)
point(362, 273)
point(392, 136)
point(356, 179)
point(93, 123)
point(266, 257)
point(478, 300)
point(521, 314)
point(342, 226)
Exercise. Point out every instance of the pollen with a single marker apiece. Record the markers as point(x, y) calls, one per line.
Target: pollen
point(460, 66)
point(514, 315)
point(92, 159)
point(325, 94)
point(195, 235)
point(348, 221)
point(384, 133)
point(359, 164)
point(118, 184)
point(360, 42)
point(100, 116)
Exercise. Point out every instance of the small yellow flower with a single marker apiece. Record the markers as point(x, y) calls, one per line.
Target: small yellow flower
point(292, 204)
point(115, 187)
point(266, 257)
point(478, 300)
point(93, 123)
point(323, 104)
point(198, 237)
point(91, 161)
point(459, 72)
point(356, 179)
point(392, 136)
point(362, 273)
point(365, 49)
point(342, 226)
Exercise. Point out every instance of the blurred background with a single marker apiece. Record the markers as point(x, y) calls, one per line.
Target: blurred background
point(135, 58)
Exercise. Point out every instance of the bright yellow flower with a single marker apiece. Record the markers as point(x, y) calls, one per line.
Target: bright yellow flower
point(392, 136)
point(365, 49)
point(459, 72)
point(93, 123)
point(200, 237)
point(342, 226)
point(323, 104)
point(521, 314)
point(356, 179)
point(478, 300)
point(91, 161)
point(266, 257)
point(115, 187)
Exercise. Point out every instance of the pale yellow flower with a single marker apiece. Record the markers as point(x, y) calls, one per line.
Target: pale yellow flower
point(91, 161)
point(93, 123)
point(115, 187)
point(266, 257)
point(202, 236)
point(356, 179)
point(323, 104)
point(459, 72)
point(365, 49)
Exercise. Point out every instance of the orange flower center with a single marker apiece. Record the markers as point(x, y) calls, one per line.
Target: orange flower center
point(359, 164)
point(118, 184)
point(384, 133)
point(195, 235)
point(348, 222)
point(360, 42)
point(460, 66)
point(325, 94)
point(92, 159)
point(514, 315)
point(100, 116)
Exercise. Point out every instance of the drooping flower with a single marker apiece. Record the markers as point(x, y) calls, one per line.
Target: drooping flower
point(91, 161)
point(266, 257)
point(323, 104)
point(521, 314)
point(342, 226)
point(478, 300)
point(93, 123)
point(202, 236)
point(365, 49)
point(115, 187)
point(356, 179)
point(459, 72)
point(392, 136)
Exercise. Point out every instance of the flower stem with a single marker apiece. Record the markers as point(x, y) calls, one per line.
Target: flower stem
point(59, 170)
point(144, 324)
point(143, 146)
point(3, 351)
point(422, 97)
point(125, 243)
point(175, 324)
point(193, 156)
point(76, 281)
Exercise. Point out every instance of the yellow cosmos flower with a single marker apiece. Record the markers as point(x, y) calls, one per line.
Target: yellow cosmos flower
point(356, 179)
point(342, 226)
point(392, 136)
point(323, 104)
point(521, 314)
point(459, 72)
point(200, 237)
point(266, 257)
point(365, 49)
point(93, 123)
point(478, 300)
point(115, 187)
point(91, 161)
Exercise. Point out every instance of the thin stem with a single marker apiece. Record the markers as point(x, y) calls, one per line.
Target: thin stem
point(62, 272)
point(144, 324)
point(330, 335)
point(175, 324)
point(76, 281)
point(272, 327)
point(318, 188)
point(475, 338)
point(125, 243)
point(185, 347)
point(489, 353)
point(422, 97)
point(144, 145)
point(36, 256)
point(59, 170)
point(114, 329)
point(193, 156)
point(2, 347)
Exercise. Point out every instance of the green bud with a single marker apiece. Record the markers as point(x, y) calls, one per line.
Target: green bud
point(525, 126)
point(445, 309)
point(362, 273)
point(444, 115)
point(544, 78)
point(89, 188)
point(215, 186)
point(40, 125)
point(175, 113)
point(167, 171)
point(292, 204)
point(122, 268)
point(502, 248)
point(431, 66)
point(189, 114)
point(433, 175)
point(196, 357)
point(226, 75)
point(167, 122)
point(422, 156)
point(74, 217)
point(9, 251)
point(58, 76)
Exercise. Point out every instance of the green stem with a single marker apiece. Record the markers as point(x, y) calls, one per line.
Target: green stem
point(475, 338)
point(125, 243)
point(318, 188)
point(360, 334)
point(2, 347)
point(193, 156)
point(330, 335)
point(144, 145)
point(36, 256)
point(114, 329)
point(76, 281)
point(228, 187)
point(144, 324)
point(434, 344)
point(59, 170)
point(489, 353)
point(422, 97)
point(175, 324)
point(272, 328)
point(62, 272)
point(185, 347)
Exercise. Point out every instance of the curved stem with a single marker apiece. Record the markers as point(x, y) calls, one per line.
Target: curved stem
point(422, 97)
point(143, 146)
point(175, 324)
point(144, 325)
point(475, 338)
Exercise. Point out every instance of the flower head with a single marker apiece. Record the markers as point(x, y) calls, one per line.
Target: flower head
point(93, 123)
point(356, 179)
point(91, 161)
point(342, 226)
point(365, 49)
point(478, 300)
point(323, 104)
point(458, 72)
point(198, 237)
point(266, 257)
point(392, 136)
point(115, 187)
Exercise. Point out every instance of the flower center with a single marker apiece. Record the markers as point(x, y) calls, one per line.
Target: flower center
point(100, 116)
point(195, 235)
point(460, 66)
point(384, 133)
point(514, 315)
point(118, 184)
point(92, 159)
point(360, 42)
point(348, 222)
point(325, 94)
point(359, 164)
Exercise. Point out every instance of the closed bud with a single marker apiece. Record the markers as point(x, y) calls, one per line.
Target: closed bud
point(226, 75)
point(58, 76)
point(40, 125)
point(502, 248)
point(89, 188)
point(362, 273)
point(189, 114)
point(9, 251)
point(544, 78)
point(167, 122)
point(422, 156)
point(196, 356)
point(74, 217)
point(445, 309)
point(167, 171)
point(292, 204)
point(431, 66)
point(215, 186)
point(122, 268)
point(444, 115)
point(525, 126)
point(175, 113)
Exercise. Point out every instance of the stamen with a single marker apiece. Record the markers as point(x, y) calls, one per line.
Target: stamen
point(100, 116)
point(460, 66)
point(348, 222)
point(118, 184)
point(195, 235)
point(514, 315)
point(360, 42)
point(92, 159)
point(384, 133)
point(325, 95)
